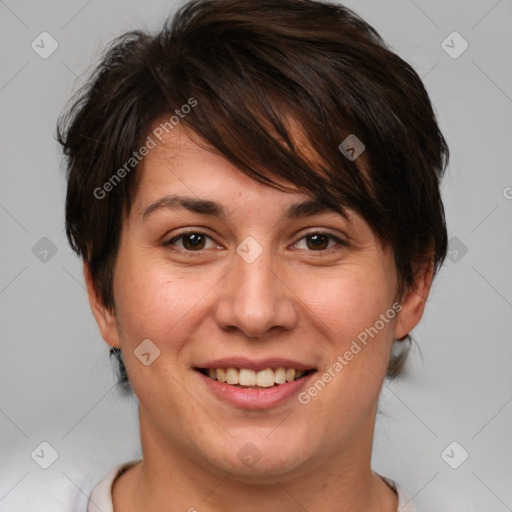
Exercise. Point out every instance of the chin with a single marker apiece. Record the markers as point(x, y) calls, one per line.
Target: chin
point(264, 460)
point(265, 471)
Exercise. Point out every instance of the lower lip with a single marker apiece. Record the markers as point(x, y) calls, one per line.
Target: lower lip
point(262, 398)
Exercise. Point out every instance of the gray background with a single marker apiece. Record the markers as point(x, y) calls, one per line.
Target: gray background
point(56, 381)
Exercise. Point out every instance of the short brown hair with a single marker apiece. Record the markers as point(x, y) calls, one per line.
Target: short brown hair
point(251, 66)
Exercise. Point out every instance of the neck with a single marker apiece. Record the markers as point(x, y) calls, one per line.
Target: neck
point(170, 480)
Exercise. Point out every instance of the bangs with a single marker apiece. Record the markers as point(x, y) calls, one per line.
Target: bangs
point(267, 117)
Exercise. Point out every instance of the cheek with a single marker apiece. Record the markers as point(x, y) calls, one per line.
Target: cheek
point(155, 304)
point(351, 300)
point(152, 302)
point(356, 308)
point(356, 347)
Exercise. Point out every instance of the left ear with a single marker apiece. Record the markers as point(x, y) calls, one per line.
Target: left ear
point(414, 300)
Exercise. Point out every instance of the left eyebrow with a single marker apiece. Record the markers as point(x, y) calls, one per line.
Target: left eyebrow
point(306, 209)
point(207, 207)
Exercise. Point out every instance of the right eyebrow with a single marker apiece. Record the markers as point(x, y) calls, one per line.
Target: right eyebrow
point(193, 204)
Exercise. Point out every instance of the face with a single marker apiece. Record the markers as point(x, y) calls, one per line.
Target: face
point(229, 279)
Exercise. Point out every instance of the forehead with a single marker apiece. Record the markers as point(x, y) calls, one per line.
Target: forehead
point(184, 164)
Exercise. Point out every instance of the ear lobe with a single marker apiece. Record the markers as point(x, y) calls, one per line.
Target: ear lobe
point(413, 304)
point(104, 317)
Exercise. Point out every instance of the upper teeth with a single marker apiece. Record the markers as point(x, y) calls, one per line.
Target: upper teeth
point(263, 378)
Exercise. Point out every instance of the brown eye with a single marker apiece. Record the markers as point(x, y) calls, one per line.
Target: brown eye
point(193, 241)
point(320, 242)
point(190, 242)
point(317, 241)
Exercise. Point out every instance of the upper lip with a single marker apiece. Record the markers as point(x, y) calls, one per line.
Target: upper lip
point(256, 365)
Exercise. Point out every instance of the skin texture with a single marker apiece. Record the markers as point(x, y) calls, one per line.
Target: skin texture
point(294, 301)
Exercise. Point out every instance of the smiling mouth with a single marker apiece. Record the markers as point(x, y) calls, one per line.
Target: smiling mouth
point(250, 379)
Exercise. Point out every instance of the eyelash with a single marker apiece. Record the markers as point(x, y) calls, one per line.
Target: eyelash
point(187, 252)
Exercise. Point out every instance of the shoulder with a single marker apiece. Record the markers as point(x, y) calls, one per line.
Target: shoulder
point(405, 503)
point(100, 498)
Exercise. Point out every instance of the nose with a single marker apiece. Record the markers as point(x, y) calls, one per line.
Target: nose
point(255, 298)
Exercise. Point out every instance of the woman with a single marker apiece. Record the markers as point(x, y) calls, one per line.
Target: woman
point(254, 192)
